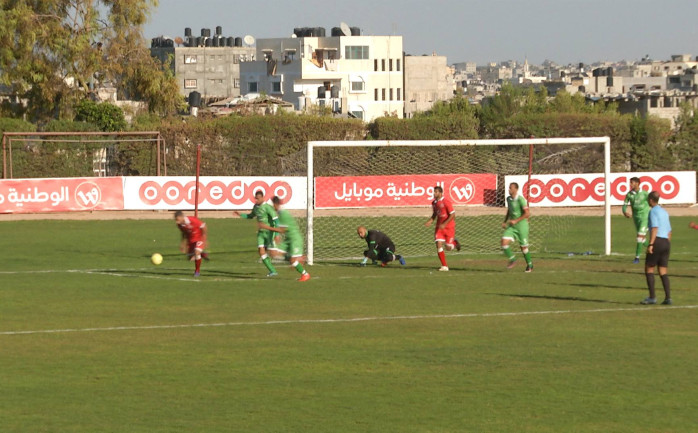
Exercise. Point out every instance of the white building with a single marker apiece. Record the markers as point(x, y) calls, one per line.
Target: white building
point(358, 75)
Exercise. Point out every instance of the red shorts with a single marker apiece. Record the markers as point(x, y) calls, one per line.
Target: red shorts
point(195, 245)
point(446, 235)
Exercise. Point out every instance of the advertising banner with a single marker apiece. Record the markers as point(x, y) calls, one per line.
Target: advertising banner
point(403, 190)
point(674, 187)
point(61, 195)
point(215, 192)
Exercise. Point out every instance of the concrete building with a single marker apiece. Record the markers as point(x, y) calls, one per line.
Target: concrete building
point(208, 67)
point(428, 79)
point(356, 75)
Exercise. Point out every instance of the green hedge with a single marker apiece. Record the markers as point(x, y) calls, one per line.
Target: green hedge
point(272, 145)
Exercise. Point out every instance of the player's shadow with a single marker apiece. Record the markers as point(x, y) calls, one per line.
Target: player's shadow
point(176, 273)
point(605, 286)
point(560, 298)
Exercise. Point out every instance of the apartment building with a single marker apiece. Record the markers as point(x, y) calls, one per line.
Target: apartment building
point(351, 74)
point(428, 79)
point(209, 64)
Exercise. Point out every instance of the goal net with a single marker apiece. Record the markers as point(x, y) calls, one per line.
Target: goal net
point(388, 186)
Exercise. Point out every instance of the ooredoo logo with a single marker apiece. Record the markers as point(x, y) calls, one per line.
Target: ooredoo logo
point(88, 195)
point(462, 190)
point(580, 190)
point(215, 192)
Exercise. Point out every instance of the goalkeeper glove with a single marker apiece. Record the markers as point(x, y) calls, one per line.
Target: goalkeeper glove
point(364, 261)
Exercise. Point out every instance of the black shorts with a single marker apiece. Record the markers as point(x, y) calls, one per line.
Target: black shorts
point(660, 256)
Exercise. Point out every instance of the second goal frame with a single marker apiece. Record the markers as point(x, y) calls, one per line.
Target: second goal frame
point(312, 145)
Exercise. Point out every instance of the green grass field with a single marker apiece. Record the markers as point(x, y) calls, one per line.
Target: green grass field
point(93, 338)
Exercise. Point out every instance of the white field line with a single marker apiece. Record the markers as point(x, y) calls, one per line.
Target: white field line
point(352, 320)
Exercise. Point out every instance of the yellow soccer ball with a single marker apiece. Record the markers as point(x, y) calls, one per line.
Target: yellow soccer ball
point(156, 259)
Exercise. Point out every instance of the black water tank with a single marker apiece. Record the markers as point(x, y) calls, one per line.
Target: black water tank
point(219, 30)
point(230, 41)
point(208, 33)
point(203, 32)
point(321, 32)
point(215, 41)
point(187, 31)
point(334, 92)
point(609, 81)
point(154, 43)
point(238, 41)
point(321, 92)
point(298, 32)
point(355, 31)
point(198, 41)
point(194, 99)
point(609, 71)
point(312, 32)
point(336, 31)
point(208, 42)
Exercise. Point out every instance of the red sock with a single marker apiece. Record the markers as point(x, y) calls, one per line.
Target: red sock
point(442, 257)
point(198, 265)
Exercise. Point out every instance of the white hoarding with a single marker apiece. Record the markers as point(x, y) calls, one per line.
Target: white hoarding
point(675, 187)
point(215, 192)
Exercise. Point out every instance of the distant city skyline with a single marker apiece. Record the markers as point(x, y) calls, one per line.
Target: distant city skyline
point(481, 31)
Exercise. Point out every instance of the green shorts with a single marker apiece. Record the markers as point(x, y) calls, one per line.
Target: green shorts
point(292, 246)
point(518, 232)
point(265, 238)
point(641, 223)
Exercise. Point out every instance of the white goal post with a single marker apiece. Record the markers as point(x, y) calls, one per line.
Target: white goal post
point(409, 145)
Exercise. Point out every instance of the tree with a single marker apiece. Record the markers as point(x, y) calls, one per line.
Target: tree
point(54, 52)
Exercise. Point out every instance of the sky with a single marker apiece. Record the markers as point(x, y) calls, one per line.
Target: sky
point(481, 31)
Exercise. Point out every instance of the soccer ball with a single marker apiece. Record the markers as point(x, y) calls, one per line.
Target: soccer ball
point(156, 259)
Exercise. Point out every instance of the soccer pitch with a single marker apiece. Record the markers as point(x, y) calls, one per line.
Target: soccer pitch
point(93, 338)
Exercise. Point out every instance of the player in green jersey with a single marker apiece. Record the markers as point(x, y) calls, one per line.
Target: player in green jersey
point(515, 227)
point(267, 220)
point(290, 242)
point(637, 199)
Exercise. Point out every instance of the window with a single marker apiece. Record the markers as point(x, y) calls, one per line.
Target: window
point(189, 84)
point(252, 87)
point(397, 66)
point(189, 59)
point(383, 94)
point(383, 64)
point(391, 95)
point(212, 58)
point(375, 65)
point(358, 86)
point(356, 52)
point(236, 58)
point(276, 86)
point(375, 94)
point(236, 83)
point(358, 114)
point(390, 64)
point(398, 95)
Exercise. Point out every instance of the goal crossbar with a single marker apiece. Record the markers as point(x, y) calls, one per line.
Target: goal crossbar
point(605, 141)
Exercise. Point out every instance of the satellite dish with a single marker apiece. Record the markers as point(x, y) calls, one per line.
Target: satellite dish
point(249, 39)
point(294, 35)
point(345, 28)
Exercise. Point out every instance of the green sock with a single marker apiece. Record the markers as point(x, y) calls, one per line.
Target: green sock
point(508, 252)
point(267, 263)
point(527, 256)
point(638, 249)
point(299, 268)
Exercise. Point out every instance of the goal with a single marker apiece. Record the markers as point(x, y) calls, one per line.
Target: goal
point(388, 185)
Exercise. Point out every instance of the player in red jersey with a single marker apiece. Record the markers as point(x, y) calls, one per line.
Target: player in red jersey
point(193, 238)
point(445, 229)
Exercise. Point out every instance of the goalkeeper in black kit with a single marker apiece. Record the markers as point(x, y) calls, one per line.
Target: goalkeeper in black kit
point(380, 247)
